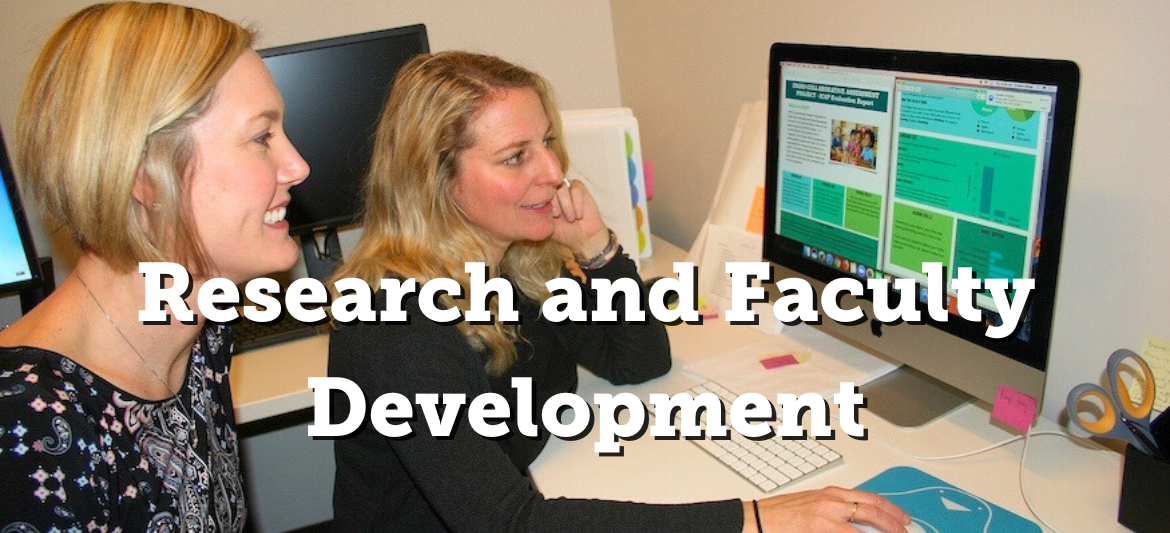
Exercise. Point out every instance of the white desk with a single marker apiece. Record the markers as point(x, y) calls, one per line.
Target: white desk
point(1074, 487)
point(273, 380)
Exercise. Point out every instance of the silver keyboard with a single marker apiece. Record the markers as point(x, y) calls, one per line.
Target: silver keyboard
point(767, 464)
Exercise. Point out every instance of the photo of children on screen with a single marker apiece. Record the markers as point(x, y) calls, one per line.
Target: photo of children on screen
point(853, 144)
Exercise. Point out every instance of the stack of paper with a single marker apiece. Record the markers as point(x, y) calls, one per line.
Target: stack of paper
point(739, 200)
point(734, 228)
point(819, 364)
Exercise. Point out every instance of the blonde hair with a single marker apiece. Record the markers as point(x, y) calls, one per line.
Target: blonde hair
point(413, 227)
point(109, 104)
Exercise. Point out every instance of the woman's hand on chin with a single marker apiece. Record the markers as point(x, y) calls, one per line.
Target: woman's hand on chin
point(577, 223)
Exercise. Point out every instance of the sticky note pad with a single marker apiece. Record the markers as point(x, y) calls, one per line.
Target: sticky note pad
point(781, 360)
point(1156, 352)
point(755, 223)
point(1014, 408)
point(778, 361)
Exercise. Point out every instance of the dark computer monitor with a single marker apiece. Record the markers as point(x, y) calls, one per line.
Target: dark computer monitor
point(19, 270)
point(333, 91)
point(880, 160)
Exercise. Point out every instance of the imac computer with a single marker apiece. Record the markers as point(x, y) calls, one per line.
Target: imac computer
point(19, 269)
point(333, 92)
point(881, 160)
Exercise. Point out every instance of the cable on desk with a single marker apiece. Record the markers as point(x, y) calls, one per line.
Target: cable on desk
point(989, 447)
point(1023, 456)
point(1023, 491)
point(961, 455)
point(965, 455)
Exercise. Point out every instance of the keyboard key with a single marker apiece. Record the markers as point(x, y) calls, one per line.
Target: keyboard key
point(777, 462)
point(775, 476)
point(250, 335)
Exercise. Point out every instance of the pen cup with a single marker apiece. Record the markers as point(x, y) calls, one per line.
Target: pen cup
point(1145, 492)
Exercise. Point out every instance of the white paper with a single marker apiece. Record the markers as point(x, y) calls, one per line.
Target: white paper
point(596, 157)
point(830, 362)
point(743, 171)
point(749, 115)
point(619, 165)
point(724, 245)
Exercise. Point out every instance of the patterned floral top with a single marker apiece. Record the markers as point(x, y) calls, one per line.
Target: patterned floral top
point(79, 454)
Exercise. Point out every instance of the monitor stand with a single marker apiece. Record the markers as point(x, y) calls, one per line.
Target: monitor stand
point(909, 399)
point(322, 253)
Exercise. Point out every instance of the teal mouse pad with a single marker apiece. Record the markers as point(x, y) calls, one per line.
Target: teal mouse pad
point(939, 507)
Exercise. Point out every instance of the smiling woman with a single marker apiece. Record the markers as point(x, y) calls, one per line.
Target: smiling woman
point(468, 167)
point(152, 132)
point(240, 187)
point(510, 174)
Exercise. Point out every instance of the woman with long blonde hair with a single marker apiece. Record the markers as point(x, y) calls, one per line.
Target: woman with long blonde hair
point(468, 166)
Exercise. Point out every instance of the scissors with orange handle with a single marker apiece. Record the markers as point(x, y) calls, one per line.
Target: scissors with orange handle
point(1121, 415)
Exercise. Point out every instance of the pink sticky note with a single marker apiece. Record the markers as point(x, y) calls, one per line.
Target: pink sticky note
point(778, 361)
point(1014, 408)
point(648, 178)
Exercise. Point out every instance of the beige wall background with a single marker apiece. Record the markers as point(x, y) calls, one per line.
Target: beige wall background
point(687, 66)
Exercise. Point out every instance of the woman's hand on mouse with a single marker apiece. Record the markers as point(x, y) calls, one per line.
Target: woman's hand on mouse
point(828, 510)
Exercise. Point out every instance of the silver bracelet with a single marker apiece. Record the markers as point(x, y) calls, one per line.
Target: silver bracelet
point(599, 260)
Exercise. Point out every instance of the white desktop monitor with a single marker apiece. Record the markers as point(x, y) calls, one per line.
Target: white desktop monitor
point(881, 160)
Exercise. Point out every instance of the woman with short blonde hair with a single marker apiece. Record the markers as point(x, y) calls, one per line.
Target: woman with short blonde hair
point(127, 123)
point(150, 132)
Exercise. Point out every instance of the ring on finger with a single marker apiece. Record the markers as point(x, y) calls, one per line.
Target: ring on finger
point(853, 512)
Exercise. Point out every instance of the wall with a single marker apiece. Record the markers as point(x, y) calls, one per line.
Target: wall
point(536, 34)
point(686, 67)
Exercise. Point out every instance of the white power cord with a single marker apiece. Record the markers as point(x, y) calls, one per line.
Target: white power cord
point(1023, 457)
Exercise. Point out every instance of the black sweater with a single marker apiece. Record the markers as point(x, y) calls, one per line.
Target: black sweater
point(473, 483)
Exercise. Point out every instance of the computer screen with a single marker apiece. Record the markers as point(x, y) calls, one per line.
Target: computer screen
point(882, 160)
point(333, 91)
point(18, 259)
